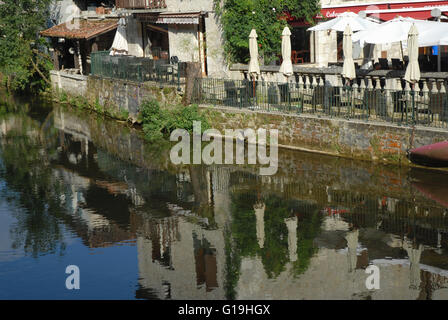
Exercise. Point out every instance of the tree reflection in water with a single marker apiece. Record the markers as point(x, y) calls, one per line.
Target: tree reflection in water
point(209, 232)
point(31, 188)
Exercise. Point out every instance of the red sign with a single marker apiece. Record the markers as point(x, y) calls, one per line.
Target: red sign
point(389, 9)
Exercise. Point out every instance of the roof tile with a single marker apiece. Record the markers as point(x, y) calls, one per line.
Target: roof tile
point(80, 29)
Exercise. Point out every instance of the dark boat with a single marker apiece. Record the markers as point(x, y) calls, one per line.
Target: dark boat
point(433, 155)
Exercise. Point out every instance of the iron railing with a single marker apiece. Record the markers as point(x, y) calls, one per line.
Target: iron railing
point(394, 106)
point(135, 69)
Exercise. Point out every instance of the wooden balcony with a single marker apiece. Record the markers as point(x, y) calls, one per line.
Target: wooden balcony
point(141, 4)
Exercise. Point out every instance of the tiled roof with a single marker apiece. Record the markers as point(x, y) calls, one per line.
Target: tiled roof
point(80, 29)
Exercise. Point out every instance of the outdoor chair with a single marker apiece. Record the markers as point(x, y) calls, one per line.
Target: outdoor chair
point(318, 97)
point(313, 97)
point(383, 63)
point(156, 52)
point(423, 112)
point(149, 69)
point(288, 95)
point(374, 103)
point(347, 101)
point(408, 109)
point(284, 92)
point(306, 98)
point(426, 110)
point(210, 92)
point(397, 64)
point(332, 99)
point(437, 107)
point(182, 67)
point(247, 93)
point(400, 102)
point(231, 98)
point(295, 57)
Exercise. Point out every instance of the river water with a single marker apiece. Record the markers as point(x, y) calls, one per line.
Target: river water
point(77, 189)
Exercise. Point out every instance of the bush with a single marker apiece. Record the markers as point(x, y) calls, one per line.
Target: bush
point(158, 123)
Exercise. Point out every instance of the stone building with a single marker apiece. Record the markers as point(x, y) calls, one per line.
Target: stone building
point(78, 28)
point(190, 31)
point(186, 29)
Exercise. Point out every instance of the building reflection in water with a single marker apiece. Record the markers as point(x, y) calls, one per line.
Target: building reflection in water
point(217, 232)
point(259, 215)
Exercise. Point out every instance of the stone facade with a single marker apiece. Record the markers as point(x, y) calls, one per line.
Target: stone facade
point(184, 42)
point(116, 96)
point(348, 138)
point(74, 84)
point(216, 65)
point(184, 39)
point(63, 11)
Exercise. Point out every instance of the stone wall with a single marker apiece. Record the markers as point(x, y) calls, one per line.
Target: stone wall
point(216, 64)
point(117, 96)
point(348, 138)
point(112, 96)
point(64, 10)
point(183, 41)
point(75, 84)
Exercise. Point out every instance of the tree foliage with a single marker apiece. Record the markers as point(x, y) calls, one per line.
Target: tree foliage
point(158, 122)
point(238, 17)
point(23, 63)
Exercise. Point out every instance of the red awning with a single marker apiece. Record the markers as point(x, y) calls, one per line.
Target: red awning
point(416, 13)
point(417, 9)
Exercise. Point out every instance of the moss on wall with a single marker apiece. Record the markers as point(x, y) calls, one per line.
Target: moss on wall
point(351, 139)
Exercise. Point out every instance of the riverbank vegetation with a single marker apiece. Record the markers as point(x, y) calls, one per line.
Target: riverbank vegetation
point(268, 17)
point(24, 61)
point(158, 123)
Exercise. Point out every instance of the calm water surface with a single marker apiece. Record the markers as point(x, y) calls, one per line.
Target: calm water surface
point(76, 189)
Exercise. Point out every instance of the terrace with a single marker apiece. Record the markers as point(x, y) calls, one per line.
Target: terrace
point(126, 67)
point(379, 95)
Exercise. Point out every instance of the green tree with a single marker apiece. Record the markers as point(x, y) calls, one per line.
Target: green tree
point(238, 17)
point(22, 61)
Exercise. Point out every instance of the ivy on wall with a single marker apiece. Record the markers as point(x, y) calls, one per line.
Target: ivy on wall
point(238, 17)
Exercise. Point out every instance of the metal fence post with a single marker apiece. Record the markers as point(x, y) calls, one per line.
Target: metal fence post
point(413, 105)
point(178, 76)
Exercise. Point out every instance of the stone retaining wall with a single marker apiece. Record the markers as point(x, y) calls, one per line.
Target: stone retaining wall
point(348, 138)
point(75, 84)
point(114, 96)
